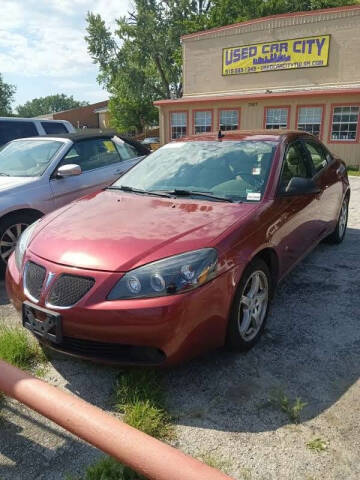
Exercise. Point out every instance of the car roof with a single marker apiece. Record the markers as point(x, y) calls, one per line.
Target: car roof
point(260, 134)
point(34, 119)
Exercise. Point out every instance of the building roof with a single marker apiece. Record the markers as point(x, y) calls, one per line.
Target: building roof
point(270, 17)
point(260, 95)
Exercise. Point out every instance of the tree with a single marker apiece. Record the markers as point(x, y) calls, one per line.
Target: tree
point(49, 104)
point(7, 92)
point(142, 61)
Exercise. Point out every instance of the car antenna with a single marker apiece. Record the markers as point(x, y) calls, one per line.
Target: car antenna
point(220, 134)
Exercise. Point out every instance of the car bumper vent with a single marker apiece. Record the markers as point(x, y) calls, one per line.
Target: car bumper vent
point(34, 280)
point(68, 290)
point(111, 352)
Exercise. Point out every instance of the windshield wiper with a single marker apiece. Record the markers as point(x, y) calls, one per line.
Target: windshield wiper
point(126, 188)
point(2, 174)
point(188, 193)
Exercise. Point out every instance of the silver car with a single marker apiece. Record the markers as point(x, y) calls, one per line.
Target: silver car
point(40, 174)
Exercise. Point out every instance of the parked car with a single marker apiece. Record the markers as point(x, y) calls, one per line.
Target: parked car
point(40, 174)
point(183, 253)
point(15, 127)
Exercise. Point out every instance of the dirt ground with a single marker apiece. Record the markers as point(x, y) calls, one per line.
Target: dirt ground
point(311, 350)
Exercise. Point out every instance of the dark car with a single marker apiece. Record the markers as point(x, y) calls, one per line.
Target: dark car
point(184, 252)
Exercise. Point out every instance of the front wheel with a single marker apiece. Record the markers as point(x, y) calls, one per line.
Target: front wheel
point(11, 228)
point(339, 233)
point(250, 307)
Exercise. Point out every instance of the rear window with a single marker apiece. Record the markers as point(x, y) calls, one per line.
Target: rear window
point(54, 127)
point(12, 130)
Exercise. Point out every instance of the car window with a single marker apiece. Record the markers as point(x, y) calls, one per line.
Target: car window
point(237, 170)
point(92, 154)
point(27, 158)
point(126, 151)
point(12, 130)
point(54, 127)
point(295, 165)
point(317, 154)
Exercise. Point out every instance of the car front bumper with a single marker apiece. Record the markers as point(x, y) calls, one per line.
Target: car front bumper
point(162, 331)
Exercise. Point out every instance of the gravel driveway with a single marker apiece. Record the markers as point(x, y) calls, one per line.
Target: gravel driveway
point(311, 350)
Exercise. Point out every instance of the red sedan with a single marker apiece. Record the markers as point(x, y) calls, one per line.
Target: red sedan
point(183, 253)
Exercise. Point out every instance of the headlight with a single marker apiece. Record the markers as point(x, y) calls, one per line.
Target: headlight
point(168, 276)
point(23, 243)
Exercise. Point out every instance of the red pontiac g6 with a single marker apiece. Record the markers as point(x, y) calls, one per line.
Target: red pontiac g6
point(182, 254)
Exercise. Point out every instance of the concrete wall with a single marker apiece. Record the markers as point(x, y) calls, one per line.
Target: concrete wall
point(203, 53)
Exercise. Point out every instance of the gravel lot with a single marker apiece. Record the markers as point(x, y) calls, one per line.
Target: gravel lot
point(311, 350)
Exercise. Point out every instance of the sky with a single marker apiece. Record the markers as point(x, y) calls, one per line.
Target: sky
point(42, 47)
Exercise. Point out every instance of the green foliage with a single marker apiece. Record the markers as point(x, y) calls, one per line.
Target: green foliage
point(317, 445)
point(353, 171)
point(139, 396)
point(292, 409)
point(49, 104)
point(108, 469)
point(18, 348)
point(7, 93)
point(142, 61)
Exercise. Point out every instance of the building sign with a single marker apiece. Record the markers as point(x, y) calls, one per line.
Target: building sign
point(281, 55)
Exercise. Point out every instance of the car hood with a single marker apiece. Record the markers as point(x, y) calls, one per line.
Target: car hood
point(116, 231)
point(7, 183)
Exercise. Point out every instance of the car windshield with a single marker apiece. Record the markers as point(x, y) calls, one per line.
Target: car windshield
point(27, 158)
point(234, 170)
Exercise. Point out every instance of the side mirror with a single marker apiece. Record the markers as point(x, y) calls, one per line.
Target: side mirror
point(301, 186)
point(68, 170)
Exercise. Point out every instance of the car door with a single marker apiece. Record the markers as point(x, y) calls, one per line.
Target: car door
point(100, 163)
point(327, 173)
point(296, 227)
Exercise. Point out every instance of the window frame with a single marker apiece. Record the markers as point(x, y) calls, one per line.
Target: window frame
point(74, 143)
point(170, 125)
point(233, 109)
point(211, 110)
point(318, 105)
point(304, 141)
point(279, 192)
point(344, 142)
point(283, 107)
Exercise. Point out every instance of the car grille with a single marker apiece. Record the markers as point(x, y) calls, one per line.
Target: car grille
point(34, 279)
point(112, 352)
point(68, 290)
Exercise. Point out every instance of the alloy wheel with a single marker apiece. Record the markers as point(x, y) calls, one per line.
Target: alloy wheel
point(343, 218)
point(253, 305)
point(9, 240)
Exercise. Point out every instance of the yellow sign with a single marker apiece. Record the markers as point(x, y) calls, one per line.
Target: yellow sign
point(281, 55)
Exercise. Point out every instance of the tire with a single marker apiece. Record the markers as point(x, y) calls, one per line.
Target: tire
point(248, 316)
point(10, 229)
point(339, 233)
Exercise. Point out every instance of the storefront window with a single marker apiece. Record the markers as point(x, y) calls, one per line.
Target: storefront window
point(276, 117)
point(202, 122)
point(309, 119)
point(229, 119)
point(345, 123)
point(178, 124)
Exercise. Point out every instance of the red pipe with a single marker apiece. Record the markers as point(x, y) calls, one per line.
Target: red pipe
point(144, 454)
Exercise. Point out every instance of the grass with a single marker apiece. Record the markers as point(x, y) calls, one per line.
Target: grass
point(215, 462)
point(19, 349)
point(353, 170)
point(317, 445)
point(139, 396)
point(292, 409)
point(108, 469)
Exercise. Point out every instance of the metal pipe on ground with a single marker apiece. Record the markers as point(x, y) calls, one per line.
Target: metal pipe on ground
point(153, 459)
